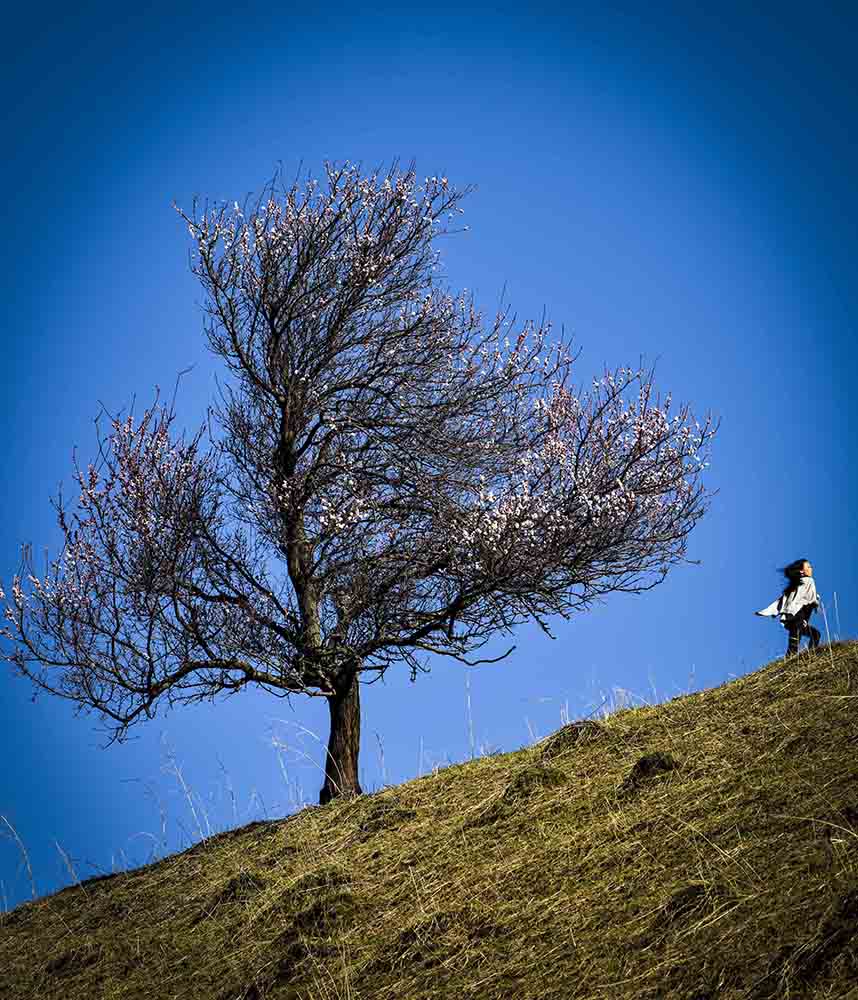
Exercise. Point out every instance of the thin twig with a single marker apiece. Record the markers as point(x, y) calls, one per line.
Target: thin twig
point(24, 852)
point(470, 718)
point(830, 650)
point(70, 867)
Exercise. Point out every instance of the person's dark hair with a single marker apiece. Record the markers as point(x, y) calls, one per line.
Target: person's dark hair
point(793, 573)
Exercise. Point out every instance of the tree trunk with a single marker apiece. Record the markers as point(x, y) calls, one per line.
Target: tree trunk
point(341, 761)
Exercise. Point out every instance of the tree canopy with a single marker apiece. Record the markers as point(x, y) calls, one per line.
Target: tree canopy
point(383, 476)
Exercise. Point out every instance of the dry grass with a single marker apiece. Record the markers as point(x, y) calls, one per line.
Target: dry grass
point(703, 848)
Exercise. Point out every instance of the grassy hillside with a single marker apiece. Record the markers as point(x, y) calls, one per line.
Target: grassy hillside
point(699, 849)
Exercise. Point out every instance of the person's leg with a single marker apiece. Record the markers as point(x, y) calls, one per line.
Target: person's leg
point(793, 626)
point(806, 628)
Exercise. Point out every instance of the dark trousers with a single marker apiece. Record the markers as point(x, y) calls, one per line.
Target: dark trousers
point(797, 626)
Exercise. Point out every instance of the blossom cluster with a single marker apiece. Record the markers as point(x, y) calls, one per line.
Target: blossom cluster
point(139, 506)
point(341, 226)
point(606, 466)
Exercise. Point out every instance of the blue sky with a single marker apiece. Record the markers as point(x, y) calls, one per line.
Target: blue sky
point(669, 184)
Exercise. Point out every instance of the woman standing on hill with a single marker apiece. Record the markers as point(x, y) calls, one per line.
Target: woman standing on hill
point(796, 604)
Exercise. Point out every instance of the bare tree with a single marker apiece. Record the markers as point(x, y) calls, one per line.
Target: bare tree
point(391, 479)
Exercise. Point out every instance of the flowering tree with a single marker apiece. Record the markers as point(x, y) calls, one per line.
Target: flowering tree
point(392, 478)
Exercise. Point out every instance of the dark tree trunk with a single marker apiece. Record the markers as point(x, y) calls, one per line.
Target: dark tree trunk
point(341, 761)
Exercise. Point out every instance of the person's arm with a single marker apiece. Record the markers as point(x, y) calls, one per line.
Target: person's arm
point(812, 596)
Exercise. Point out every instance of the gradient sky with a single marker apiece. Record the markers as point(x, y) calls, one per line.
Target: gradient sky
point(666, 183)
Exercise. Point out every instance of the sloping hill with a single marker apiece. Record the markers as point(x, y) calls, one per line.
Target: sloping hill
point(699, 849)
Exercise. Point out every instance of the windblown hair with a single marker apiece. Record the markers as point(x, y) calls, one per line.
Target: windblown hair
point(793, 574)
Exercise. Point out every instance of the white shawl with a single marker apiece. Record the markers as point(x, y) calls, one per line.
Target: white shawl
point(795, 600)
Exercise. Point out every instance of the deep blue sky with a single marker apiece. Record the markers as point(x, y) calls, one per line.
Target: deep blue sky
point(666, 183)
